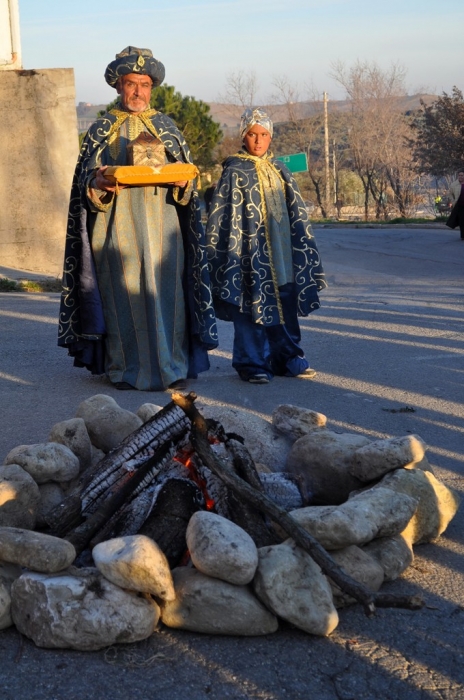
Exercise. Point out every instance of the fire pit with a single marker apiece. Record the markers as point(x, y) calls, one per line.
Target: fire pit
point(176, 523)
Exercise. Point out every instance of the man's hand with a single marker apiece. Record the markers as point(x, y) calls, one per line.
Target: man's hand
point(180, 183)
point(101, 183)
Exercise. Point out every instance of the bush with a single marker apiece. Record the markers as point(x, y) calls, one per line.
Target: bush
point(45, 285)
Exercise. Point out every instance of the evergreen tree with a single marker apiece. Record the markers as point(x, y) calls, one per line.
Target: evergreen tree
point(192, 117)
point(439, 143)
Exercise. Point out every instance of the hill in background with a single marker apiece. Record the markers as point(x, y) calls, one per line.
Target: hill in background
point(228, 116)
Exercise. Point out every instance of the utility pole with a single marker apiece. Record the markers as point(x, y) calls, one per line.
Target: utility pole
point(10, 45)
point(334, 169)
point(327, 155)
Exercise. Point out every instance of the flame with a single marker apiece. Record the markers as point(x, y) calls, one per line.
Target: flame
point(184, 457)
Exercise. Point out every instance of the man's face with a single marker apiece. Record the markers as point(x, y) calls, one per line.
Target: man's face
point(461, 177)
point(135, 92)
point(257, 140)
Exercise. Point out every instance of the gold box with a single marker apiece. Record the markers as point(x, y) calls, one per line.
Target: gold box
point(151, 175)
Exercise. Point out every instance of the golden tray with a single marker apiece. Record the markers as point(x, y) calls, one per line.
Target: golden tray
point(151, 175)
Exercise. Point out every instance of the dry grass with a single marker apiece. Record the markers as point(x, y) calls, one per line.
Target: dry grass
point(31, 286)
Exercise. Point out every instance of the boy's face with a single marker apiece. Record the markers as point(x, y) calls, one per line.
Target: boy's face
point(257, 140)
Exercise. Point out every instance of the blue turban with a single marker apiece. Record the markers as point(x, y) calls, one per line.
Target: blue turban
point(134, 60)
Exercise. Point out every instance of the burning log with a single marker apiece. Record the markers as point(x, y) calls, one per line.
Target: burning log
point(128, 492)
point(167, 523)
point(200, 442)
point(116, 497)
point(112, 472)
point(243, 513)
point(117, 468)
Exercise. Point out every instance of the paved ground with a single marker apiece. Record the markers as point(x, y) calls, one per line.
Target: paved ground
point(390, 335)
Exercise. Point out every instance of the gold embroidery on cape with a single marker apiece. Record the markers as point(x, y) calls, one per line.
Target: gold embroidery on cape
point(269, 182)
point(136, 125)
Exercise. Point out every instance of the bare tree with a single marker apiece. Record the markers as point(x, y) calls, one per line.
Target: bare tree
point(303, 133)
point(377, 133)
point(240, 92)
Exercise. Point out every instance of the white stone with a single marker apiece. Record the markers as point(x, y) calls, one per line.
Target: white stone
point(97, 456)
point(34, 550)
point(424, 464)
point(19, 497)
point(295, 422)
point(322, 460)
point(73, 434)
point(375, 512)
point(212, 606)
point(5, 607)
point(437, 503)
point(394, 555)
point(51, 495)
point(45, 462)
point(9, 573)
point(290, 583)
point(221, 549)
point(361, 567)
point(382, 456)
point(79, 609)
point(147, 411)
point(106, 422)
point(137, 563)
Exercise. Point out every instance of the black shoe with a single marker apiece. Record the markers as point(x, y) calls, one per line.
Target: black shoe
point(259, 378)
point(124, 386)
point(178, 385)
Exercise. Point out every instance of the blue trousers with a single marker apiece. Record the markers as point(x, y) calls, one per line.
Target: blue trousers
point(270, 350)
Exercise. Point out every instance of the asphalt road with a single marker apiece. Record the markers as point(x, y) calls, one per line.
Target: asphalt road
point(389, 336)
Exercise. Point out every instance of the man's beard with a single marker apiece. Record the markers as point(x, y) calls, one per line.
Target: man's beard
point(137, 105)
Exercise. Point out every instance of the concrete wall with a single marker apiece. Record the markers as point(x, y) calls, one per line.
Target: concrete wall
point(38, 147)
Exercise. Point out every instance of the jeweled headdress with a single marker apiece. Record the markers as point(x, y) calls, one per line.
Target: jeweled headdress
point(134, 60)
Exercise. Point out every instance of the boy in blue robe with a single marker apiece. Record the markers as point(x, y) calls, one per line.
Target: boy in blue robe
point(263, 260)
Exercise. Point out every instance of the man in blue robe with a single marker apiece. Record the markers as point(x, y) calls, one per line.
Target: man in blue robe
point(264, 264)
point(136, 300)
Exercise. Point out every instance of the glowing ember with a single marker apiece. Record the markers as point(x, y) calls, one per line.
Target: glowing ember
point(184, 457)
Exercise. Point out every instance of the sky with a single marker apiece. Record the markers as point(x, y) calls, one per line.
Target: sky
point(203, 42)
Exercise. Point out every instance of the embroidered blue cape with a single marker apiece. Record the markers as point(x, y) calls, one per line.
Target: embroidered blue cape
point(239, 242)
point(81, 322)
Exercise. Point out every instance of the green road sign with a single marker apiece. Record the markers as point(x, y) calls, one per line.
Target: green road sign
point(295, 162)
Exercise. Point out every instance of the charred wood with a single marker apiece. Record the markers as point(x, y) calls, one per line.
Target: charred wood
point(167, 523)
point(168, 424)
point(134, 450)
point(369, 599)
point(116, 496)
point(243, 513)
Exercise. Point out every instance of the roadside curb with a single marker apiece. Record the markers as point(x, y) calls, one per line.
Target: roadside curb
point(337, 224)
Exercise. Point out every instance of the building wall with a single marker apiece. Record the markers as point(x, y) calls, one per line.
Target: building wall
point(39, 147)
